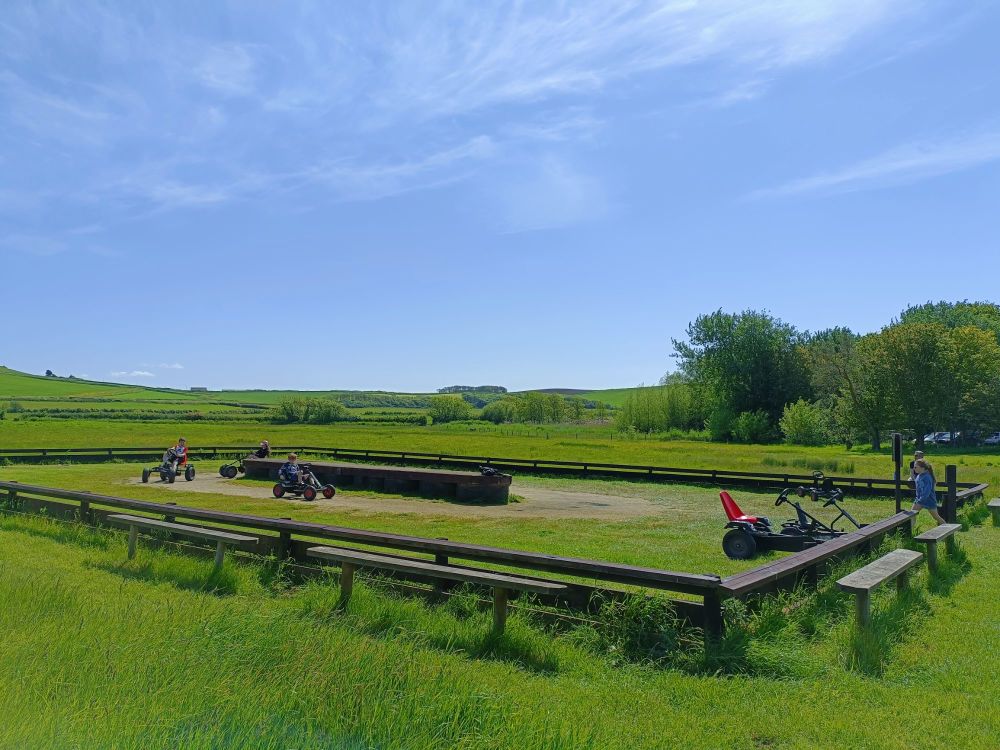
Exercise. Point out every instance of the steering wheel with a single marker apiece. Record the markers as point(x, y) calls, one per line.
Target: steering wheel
point(819, 476)
point(782, 498)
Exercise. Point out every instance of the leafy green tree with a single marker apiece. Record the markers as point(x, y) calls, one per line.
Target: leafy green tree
point(450, 409)
point(753, 427)
point(847, 372)
point(984, 315)
point(917, 360)
point(804, 423)
point(746, 362)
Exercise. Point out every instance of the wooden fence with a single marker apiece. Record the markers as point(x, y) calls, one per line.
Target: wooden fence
point(288, 539)
point(869, 486)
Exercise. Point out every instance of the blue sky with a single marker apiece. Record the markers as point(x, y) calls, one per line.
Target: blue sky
point(410, 195)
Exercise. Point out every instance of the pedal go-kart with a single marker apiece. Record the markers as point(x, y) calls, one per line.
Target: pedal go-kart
point(169, 468)
point(749, 535)
point(309, 486)
point(230, 470)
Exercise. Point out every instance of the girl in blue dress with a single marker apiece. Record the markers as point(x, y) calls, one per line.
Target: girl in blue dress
point(926, 496)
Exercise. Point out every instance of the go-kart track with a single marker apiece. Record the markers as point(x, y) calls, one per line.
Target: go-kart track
point(532, 501)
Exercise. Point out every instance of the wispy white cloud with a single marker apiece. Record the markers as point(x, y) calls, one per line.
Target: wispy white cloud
point(172, 366)
point(366, 101)
point(904, 164)
point(132, 374)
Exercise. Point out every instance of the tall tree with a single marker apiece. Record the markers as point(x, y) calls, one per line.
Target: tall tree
point(744, 362)
point(984, 315)
point(848, 373)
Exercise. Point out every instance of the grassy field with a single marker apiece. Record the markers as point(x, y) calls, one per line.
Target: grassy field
point(157, 652)
point(160, 652)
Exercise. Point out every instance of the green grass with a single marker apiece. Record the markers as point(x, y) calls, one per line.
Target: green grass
point(100, 652)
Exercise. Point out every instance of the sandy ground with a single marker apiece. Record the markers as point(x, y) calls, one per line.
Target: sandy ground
point(537, 502)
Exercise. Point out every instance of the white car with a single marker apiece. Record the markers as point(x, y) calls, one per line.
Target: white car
point(992, 439)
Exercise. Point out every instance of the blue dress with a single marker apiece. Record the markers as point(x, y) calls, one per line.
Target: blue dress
point(926, 496)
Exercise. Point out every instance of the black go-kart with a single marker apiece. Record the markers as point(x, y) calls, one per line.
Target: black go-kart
point(169, 468)
point(309, 487)
point(749, 535)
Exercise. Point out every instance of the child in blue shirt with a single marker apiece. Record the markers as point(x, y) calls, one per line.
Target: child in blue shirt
point(926, 496)
point(289, 473)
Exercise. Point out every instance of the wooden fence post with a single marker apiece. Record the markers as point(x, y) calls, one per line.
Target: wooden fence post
point(897, 460)
point(169, 519)
point(713, 617)
point(284, 542)
point(951, 499)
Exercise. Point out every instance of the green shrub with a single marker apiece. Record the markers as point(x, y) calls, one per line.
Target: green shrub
point(803, 423)
point(449, 409)
point(720, 423)
point(753, 427)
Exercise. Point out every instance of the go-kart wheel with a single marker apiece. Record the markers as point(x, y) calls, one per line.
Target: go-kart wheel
point(329, 491)
point(164, 475)
point(189, 474)
point(739, 545)
point(278, 491)
point(224, 472)
point(233, 471)
point(309, 494)
point(145, 476)
point(171, 476)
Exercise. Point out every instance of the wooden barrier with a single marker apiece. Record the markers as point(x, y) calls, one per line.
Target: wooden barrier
point(579, 595)
point(864, 486)
point(463, 486)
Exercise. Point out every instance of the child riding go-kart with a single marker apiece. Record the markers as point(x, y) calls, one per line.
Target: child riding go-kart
point(230, 470)
point(174, 460)
point(748, 535)
point(294, 479)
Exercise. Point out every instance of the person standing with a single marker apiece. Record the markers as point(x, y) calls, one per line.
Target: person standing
point(926, 495)
point(917, 456)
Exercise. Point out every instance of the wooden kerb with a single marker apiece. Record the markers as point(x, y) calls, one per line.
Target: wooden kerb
point(769, 574)
point(931, 537)
point(502, 584)
point(221, 538)
point(863, 581)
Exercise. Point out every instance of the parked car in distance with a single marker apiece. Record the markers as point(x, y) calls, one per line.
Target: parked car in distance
point(992, 439)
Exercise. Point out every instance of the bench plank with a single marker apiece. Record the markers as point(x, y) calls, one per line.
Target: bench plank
point(939, 532)
point(932, 536)
point(874, 574)
point(896, 565)
point(179, 528)
point(433, 570)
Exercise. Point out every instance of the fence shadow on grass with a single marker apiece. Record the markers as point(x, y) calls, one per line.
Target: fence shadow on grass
point(458, 625)
point(187, 574)
point(952, 567)
point(56, 530)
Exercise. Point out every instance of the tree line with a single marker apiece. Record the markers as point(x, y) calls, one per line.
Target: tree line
point(752, 377)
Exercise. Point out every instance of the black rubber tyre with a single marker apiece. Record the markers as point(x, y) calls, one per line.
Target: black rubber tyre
point(233, 471)
point(739, 545)
point(189, 474)
point(224, 472)
point(278, 491)
point(309, 494)
point(164, 475)
point(329, 491)
point(171, 476)
point(145, 476)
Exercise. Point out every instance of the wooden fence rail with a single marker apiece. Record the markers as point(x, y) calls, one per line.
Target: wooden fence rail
point(281, 541)
point(852, 485)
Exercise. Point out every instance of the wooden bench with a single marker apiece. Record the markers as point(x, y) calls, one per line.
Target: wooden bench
point(864, 580)
point(502, 584)
point(221, 538)
point(931, 537)
point(994, 506)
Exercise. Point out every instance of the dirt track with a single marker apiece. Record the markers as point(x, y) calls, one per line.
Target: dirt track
point(538, 502)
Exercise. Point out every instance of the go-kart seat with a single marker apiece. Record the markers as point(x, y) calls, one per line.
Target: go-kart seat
point(733, 511)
